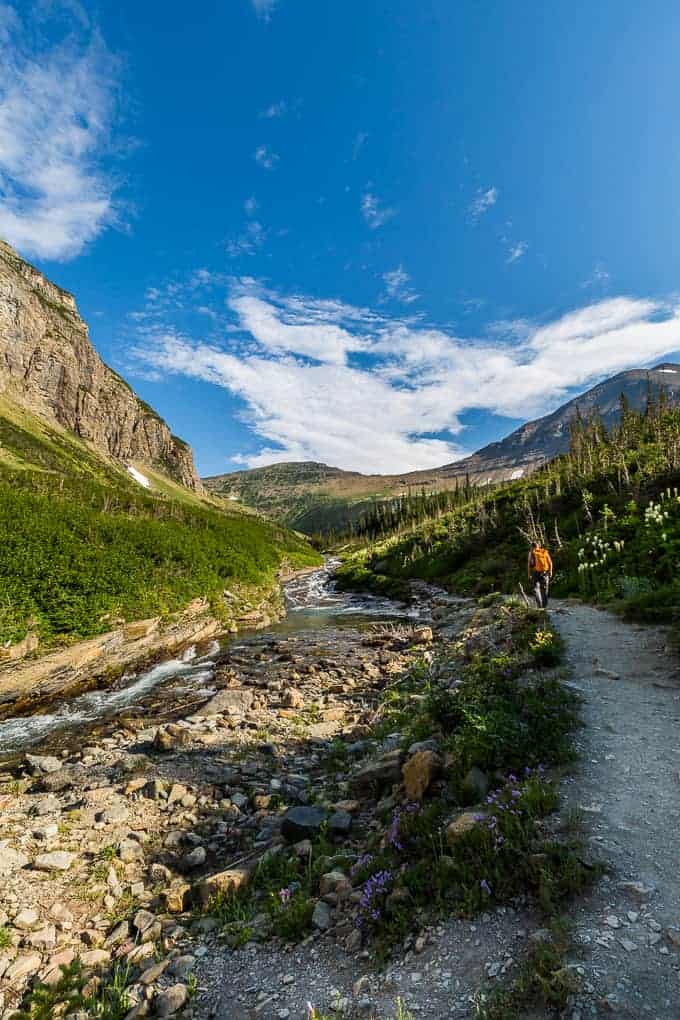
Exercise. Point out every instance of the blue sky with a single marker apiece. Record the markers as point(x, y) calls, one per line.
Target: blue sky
point(376, 234)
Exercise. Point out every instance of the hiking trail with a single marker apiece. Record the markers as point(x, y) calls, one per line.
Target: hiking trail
point(626, 783)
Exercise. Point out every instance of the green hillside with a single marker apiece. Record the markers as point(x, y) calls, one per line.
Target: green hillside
point(84, 545)
point(609, 509)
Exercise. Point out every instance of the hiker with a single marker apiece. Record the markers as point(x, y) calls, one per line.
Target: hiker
point(540, 568)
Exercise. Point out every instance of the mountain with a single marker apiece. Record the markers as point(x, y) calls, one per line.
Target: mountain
point(103, 518)
point(49, 367)
point(314, 497)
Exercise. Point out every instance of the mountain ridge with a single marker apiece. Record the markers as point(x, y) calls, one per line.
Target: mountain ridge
point(310, 495)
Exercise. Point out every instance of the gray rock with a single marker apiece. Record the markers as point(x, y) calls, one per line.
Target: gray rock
point(182, 966)
point(232, 701)
point(384, 771)
point(41, 764)
point(302, 823)
point(194, 859)
point(115, 813)
point(57, 860)
point(171, 1001)
point(11, 860)
point(340, 823)
point(321, 918)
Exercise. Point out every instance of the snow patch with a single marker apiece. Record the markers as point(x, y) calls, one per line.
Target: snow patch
point(668, 371)
point(517, 473)
point(138, 476)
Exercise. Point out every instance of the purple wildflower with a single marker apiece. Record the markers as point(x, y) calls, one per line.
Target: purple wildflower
point(284, 895)
point(485, 887)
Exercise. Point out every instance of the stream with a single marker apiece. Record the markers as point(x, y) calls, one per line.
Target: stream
point(313, 604)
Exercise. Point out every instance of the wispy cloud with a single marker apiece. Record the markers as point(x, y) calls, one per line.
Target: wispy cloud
point(264, 8)
point(359, 142)
point(323, 380)
point(279, 109)
point(397, 286)
point(516, 252)
point(375, 214)
point(598, 279)
point(57, 111)
point(484, 199)
point(252, 239)
point(250, 206)
point(265, 157)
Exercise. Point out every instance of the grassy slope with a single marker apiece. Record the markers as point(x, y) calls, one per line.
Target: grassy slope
point(84, 545)
point(613, 547)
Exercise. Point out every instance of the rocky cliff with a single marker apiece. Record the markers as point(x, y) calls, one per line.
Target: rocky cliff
point(48, 365)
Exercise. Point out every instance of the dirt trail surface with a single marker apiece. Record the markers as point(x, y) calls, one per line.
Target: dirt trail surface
point(627, 784)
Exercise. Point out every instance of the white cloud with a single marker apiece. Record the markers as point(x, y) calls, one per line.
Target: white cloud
point(251, 206)
point(264, 8)
point(57, 108)
point(375, 214)
point(264, 156)
point(516, 252)
point(397, 286)
point(483, 201)
point(322, 380)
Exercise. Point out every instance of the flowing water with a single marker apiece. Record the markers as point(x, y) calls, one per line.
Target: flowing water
point(313, 603)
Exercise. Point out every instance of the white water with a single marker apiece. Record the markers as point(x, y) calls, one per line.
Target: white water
point(312, 601)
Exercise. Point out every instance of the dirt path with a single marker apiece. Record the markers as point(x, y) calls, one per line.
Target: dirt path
point(627, 784)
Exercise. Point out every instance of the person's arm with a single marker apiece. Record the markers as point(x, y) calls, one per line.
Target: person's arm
point(550, 571)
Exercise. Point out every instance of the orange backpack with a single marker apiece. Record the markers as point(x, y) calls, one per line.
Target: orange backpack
point(542, 562)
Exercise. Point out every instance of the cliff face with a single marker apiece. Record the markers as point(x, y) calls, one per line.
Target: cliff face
point(48, 365)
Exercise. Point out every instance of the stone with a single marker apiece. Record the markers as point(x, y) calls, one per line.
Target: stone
point(302, 823)
point(638, 890)
point(113, 814)
point(674, 937)
point(165, 740)
point(175, 899)
point(383, 771)
point(422, 636)
point(171, 1001)
point(26, 920)
point(292, 698)
point(182, 966)
point(41, 764)
point(340, 823)
point(57, 860)
point(335, 882)
point(45, 938)
point(232, 701)
point(475, 785)
point(143, 920)
point(223, 882)
point(460, 826)
point(22, 967)
point(321, 918)
point(97, 958)
point(11, 860)
point(55, 782)
point(194, 859)
point(419, 771)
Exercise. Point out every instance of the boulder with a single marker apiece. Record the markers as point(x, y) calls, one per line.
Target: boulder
point(461, 825)
point(171, 739)
point(233, 701)
point(419, 771)
point(21, 968)
point(175, 899)
point(302, 823)
point(383, 771)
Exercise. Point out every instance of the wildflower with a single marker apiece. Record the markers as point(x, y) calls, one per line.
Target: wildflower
point(485, 887)
point(284, 895)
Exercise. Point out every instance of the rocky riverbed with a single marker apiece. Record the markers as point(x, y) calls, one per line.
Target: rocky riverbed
point(116, 833)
